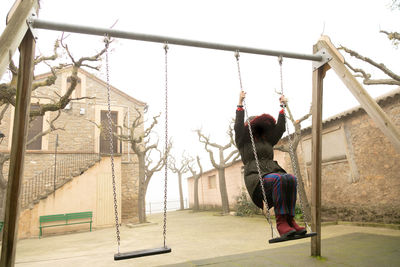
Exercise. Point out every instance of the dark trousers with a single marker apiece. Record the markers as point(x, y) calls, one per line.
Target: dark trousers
point(281, 192)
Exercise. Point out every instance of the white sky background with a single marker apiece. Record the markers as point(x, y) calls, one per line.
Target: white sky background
point(203, 84)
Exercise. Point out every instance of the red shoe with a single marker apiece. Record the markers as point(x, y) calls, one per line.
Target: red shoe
point(292, 223)
point(283, 227)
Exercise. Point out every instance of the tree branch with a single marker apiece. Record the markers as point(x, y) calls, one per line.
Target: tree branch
point(3, 111)
point(206, 140)
point(231, 138)
point(379, 66)
point(55, 55)
point(233, 153)
point(233, 160)
point(150, 128)
point(193, 171)
point(367, 77)
point(393, 36)
point(282, 148)
point(52, 128)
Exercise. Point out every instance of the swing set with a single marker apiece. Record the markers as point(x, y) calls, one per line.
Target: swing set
point(20, 32)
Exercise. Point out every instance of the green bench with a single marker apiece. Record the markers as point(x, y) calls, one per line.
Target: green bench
point(64, 219)
point(1, 226)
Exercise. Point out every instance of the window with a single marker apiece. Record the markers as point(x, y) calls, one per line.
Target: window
point(212, 183)
point(77, 93)
point(333, 146)
point(104, 135)
point(35, 127)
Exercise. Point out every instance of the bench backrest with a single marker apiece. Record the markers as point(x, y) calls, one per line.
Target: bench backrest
point(52, 218)
point(79, 215)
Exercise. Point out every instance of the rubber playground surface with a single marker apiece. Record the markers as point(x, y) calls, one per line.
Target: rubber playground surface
point(204, 239)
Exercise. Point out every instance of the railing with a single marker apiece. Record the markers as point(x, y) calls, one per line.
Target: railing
point(157, 207)
point(47, 181)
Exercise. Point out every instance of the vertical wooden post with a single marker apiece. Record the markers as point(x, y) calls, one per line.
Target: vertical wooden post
point(16, 169)
point(317, 90)
point(15, 30)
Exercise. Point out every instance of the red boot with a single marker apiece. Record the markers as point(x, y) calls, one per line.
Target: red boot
point(292, 223)
point(283, 227)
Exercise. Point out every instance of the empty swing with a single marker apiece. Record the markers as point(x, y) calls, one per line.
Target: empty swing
point(293, 235)
point(145, 252)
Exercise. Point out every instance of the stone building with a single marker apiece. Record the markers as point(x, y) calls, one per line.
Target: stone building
point(80, 163)
point(208, 186)
point(360, 168)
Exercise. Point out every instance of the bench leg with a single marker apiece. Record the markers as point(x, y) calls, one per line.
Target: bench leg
point(90, 226)
point(40, 232)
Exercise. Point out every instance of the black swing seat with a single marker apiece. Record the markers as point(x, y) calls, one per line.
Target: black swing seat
point(289, 238)
point(141, 253)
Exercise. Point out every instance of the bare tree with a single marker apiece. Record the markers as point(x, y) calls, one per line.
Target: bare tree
point(291, 148)
point(4, 157)
point(8, 90)
point(8, 93)
point(196, 176)
point(143, 147)
point(224, 162)
point(392, 78)
point(395, 4)
point(180, 170)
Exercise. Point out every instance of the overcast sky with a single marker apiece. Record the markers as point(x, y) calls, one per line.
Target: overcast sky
point(203, 84)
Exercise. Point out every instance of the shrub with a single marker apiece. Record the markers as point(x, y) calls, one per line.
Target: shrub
point(245, 206)
point(298, 213)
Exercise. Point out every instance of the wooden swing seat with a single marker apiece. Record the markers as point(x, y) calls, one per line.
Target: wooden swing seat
point(289, 238)
point(141, 253)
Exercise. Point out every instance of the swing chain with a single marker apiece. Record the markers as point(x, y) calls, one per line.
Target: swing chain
point(166, 144)
point(268, 216)
point(291, 148)
point(237, 55)
point(110, 132)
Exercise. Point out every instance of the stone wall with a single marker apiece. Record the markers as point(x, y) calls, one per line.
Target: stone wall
point(360, 168)
point(79, 132)
point(79, 122)
point(209, 194)
point(365, 185)
point(129, 192)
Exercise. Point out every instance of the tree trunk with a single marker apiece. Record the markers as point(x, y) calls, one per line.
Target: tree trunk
point(301, 189)
point(142, 206)
point(180, 192)
point(196, 194)
point(223, 191)
point(3, 187)
point(142, 190)
point(3, 193)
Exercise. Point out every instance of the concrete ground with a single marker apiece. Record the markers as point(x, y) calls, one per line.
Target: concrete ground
point(199, 239)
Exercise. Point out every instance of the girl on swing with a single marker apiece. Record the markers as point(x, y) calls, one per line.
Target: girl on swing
point(280, 187)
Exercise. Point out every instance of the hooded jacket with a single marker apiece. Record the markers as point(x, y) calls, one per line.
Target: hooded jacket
point(266, 134)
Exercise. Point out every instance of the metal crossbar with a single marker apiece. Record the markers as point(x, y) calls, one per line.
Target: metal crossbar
point(49, 25)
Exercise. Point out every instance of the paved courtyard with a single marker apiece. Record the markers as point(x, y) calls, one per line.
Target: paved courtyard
point(204, 239)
